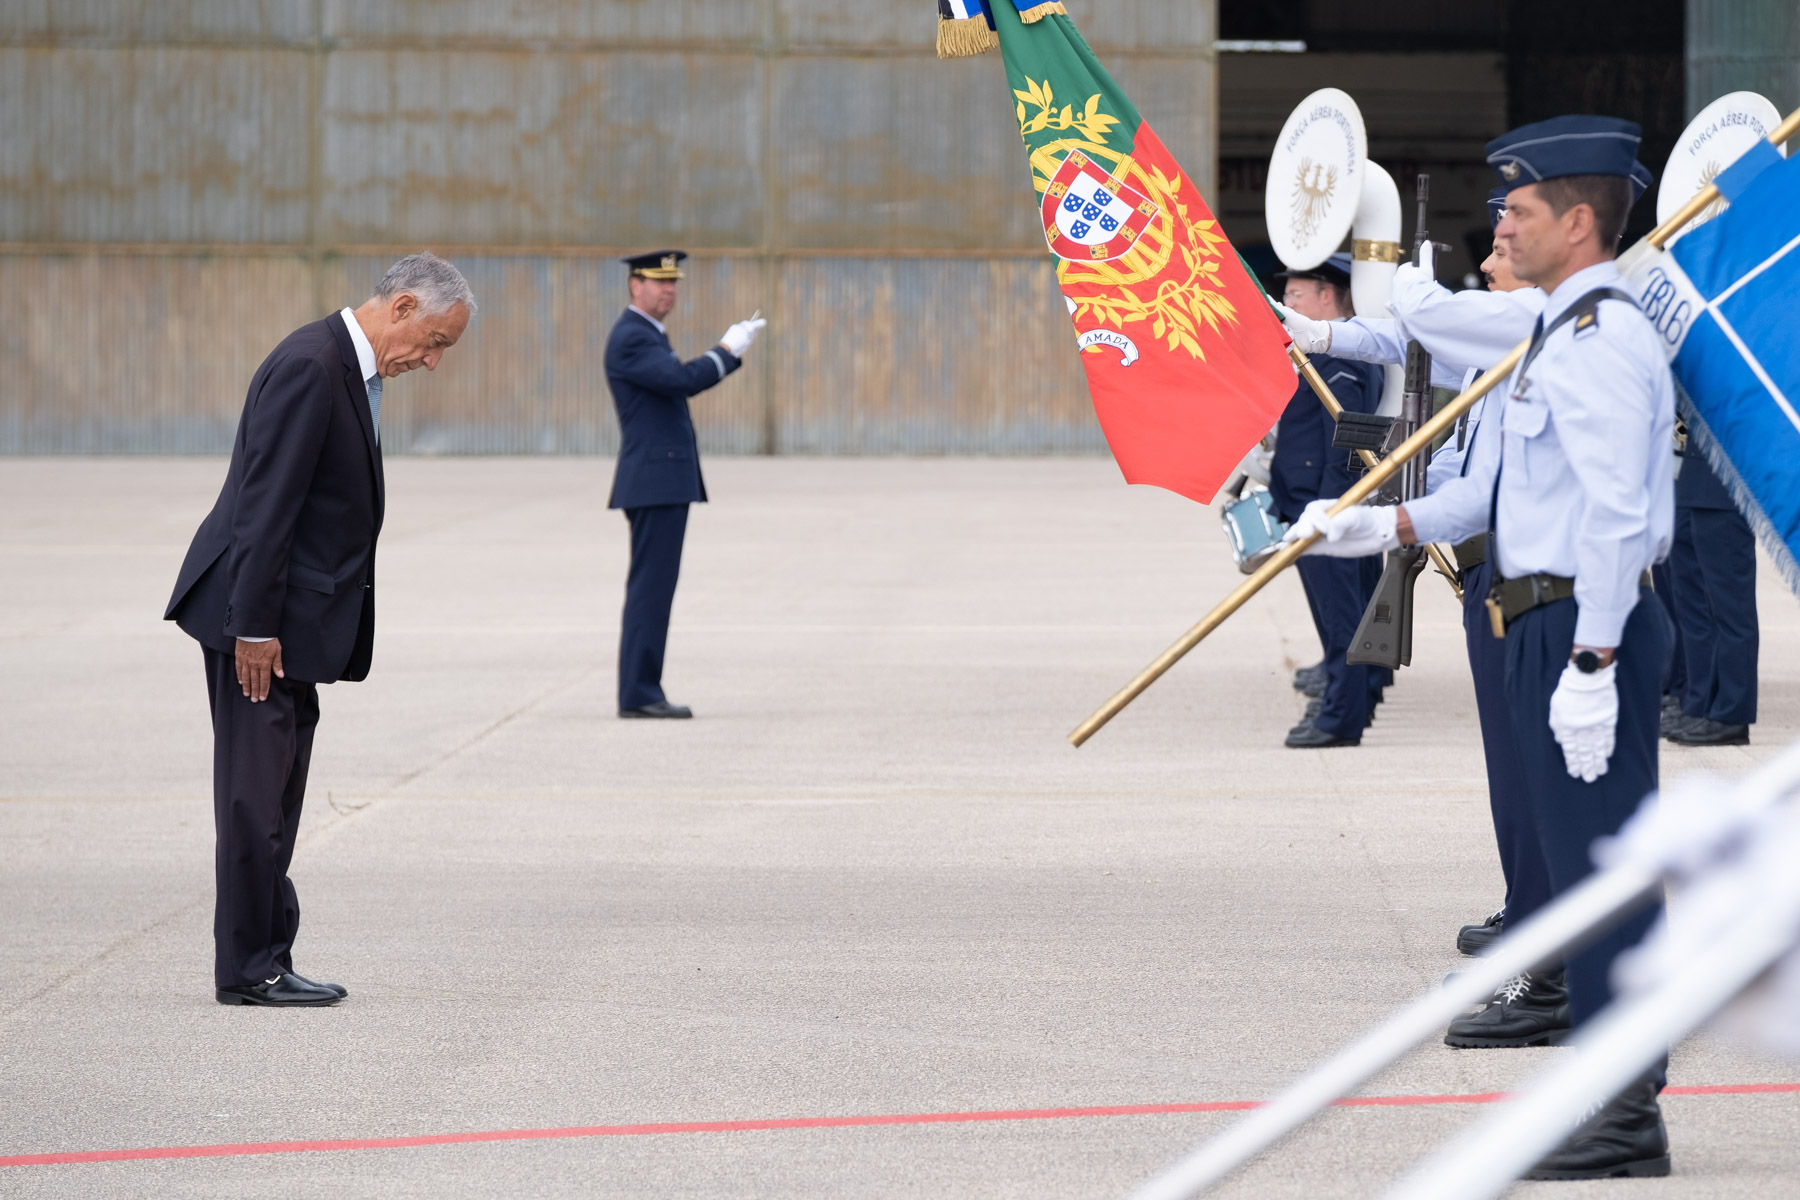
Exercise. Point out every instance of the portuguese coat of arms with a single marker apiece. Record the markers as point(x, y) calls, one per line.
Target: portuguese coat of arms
point(1090, 215)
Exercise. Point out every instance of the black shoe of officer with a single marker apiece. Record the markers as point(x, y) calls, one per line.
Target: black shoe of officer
point(1473, 939)
point(1305, 677)
point(1625, 1140)
point(1527, 1010)
point(1672, 720)
point(1704, 731)
point(1307, 736)
point(1315, 687)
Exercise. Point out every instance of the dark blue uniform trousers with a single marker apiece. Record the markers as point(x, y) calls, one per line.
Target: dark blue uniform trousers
point(656, 536)
point(1337, 591)
point(1515, 830)
point(1713, 565)
point(1675, 678)
point(1569, 814)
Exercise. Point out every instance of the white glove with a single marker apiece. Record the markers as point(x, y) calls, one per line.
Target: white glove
point(1313, 337)
point(1584, 715)
point(737, 339)
point(1357, 532)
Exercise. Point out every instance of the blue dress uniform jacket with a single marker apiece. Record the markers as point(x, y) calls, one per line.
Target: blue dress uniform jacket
point(659, 458)
point(1305, 467)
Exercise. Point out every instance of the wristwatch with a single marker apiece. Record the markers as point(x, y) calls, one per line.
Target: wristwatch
point(1587, 662)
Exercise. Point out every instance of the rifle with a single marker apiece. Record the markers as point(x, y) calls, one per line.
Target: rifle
point(1384, 635)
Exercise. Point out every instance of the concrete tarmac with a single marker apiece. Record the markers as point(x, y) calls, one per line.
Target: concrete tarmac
point(870, 879)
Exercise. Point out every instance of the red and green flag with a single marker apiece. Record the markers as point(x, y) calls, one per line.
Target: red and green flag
point(1186, 362)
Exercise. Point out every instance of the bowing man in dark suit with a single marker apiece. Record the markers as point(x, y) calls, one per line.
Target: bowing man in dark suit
point(658, 474)
point(279, 590)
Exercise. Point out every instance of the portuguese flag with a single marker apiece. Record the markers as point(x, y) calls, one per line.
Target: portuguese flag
point(1186, 362)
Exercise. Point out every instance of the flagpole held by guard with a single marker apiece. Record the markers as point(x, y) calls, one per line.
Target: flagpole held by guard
point(1291, 552)
point(1322, 390)
point(1419, 442)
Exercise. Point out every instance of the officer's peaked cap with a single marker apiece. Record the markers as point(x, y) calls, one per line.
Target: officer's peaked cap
point(1335, 269)
point(657, 264)
point(1562, 146)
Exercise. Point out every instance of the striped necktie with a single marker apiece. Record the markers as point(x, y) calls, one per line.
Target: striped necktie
point(373, 383)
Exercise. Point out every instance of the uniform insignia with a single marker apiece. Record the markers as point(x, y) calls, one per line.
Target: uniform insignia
point(1509, 171)
point(1587, 320)
point(1090, 215)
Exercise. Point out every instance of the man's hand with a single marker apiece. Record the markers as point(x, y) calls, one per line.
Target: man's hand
point(1312, 337)
point(737, 339)
point(1357, 532)
point(255, 663)
point(1584, 716)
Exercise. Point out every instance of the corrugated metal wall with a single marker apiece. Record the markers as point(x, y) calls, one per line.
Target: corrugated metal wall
point(183, 181)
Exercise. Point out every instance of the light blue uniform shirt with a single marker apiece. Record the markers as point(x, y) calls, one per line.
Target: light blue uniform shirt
point(1586, 488)
point(1464, 332)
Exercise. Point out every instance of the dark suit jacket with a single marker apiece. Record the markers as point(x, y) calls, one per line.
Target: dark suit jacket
point(1306, 468)
point(659, 458)
point(288, 550)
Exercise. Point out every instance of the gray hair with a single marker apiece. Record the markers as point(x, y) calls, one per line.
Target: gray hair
point(438, 285)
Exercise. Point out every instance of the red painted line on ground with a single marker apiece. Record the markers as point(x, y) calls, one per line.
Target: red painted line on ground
point(240, 1149)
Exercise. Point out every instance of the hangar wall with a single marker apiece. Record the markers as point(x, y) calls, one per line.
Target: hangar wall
point(183, 181)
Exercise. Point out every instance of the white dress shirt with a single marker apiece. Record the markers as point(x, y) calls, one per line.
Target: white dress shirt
point(640, 312)
point(365, 353)
point(1585, 486)
point(365, 363)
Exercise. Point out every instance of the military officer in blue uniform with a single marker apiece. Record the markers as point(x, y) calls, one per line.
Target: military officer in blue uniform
point(1712, 574)
point(1306, 468)
point(658, 473)
point(1578, 505)
point(1464, 332)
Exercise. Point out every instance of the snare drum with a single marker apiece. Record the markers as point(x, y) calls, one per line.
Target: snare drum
point(1253, 529)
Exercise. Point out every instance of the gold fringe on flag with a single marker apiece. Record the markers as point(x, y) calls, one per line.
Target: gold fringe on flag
point(965, 38)
point(1038, 12)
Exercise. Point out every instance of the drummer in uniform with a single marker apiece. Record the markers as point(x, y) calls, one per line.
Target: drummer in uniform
point(1578, 504)
point(1306, 468)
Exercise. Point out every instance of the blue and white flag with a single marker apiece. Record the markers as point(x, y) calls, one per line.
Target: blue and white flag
point(1726, 299)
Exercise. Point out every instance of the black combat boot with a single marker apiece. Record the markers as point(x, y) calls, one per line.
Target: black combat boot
point(1473, 939)
point(1626, 1139)
point(1527, 1010)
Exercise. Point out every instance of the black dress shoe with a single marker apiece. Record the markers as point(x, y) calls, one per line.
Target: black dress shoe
point(284, 991)
point(1313, 706)
point(1314, 687)
point(1704, 731)
point(339, 988)
point(1527, 1010)
point(661, 710)
point(1473, 939)
point(1625, 1140)
point(1672, 723)
point(1308, 736)
point(1308, 676)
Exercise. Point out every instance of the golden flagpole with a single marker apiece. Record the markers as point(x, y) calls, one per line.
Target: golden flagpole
point(1322, 390)
point(1419, 442)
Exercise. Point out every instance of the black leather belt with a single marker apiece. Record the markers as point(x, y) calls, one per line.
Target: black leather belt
point(1471, 553)
point(1510, 599)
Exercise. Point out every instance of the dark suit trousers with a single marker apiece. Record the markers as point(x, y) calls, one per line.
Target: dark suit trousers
point(656, 536)
point(1569, 814)
point(260, 756)
point(1713, 569)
